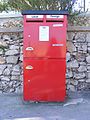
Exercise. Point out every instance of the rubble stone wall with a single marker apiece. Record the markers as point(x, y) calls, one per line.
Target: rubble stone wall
point(11, 62)
point(78, 60)
point(77, 57)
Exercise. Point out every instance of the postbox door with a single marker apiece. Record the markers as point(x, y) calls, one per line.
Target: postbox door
point(44, 80)
point(45, 39)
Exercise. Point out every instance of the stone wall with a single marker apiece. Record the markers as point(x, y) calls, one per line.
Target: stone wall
point(11, 62)
point(78, 59)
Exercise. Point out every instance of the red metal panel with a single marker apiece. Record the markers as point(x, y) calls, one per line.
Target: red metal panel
point(44, 58)
point(54, 48)
point(44, 80)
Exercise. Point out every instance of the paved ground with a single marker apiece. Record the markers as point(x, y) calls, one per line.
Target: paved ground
point(76, 107)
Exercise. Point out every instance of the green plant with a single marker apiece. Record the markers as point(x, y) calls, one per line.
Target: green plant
point(4, 6)
point(19, 5)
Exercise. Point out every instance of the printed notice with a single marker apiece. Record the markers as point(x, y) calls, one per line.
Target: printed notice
point(44, 33)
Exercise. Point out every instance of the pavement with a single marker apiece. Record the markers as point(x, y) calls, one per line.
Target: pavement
point(76, 107)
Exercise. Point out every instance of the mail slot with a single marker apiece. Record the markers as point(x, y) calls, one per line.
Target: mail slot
point(44, 55)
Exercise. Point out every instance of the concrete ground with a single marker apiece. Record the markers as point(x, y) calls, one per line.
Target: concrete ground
point(76, 107)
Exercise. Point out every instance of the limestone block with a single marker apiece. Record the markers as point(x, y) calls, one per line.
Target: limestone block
point(70, 36)
point(68, 56)
point(6, 37)
point(12, 59)
point(21, 57)
point(88, 80)
point(88, 37)
point(12, 52)
point(88, 49)
point(72, 88)
point(15, 73)
point(88, 74)
point(82, 69)
point(6, 71)
point(88, 59)
point(15, 77)
point(73, 64)
point(80, 57)
point(69, 74)
point(1, 52)
point(71, 47)
point(81, 80)
point(14, 47)
point(2, 60)
point(74, 82)
point(16, 68)
point(79, 75)
point(80, 37)
point(5, 78)
point(3, 43)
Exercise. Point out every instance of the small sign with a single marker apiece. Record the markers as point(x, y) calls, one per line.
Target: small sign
point(55, 16)
point(57, 45)
point(44, 33)
point(57, 25)
point(34, 16)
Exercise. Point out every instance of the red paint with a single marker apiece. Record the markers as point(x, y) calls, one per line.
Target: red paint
point(45, 81)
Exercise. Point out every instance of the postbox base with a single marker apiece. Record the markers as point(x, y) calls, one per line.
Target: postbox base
point(44, 80)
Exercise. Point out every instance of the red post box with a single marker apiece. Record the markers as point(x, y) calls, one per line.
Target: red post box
point(44, 55)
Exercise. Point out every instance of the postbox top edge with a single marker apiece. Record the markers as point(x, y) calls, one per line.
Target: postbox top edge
point(45, 12)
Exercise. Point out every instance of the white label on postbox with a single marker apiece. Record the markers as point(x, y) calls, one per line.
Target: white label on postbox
point(34, 16)
point(44, 33)
point(57, 25)
point(57, 45)
point(55, 16)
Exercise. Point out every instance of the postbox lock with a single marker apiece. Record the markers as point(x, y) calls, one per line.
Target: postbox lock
point(29, 67)
point(29, 49)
